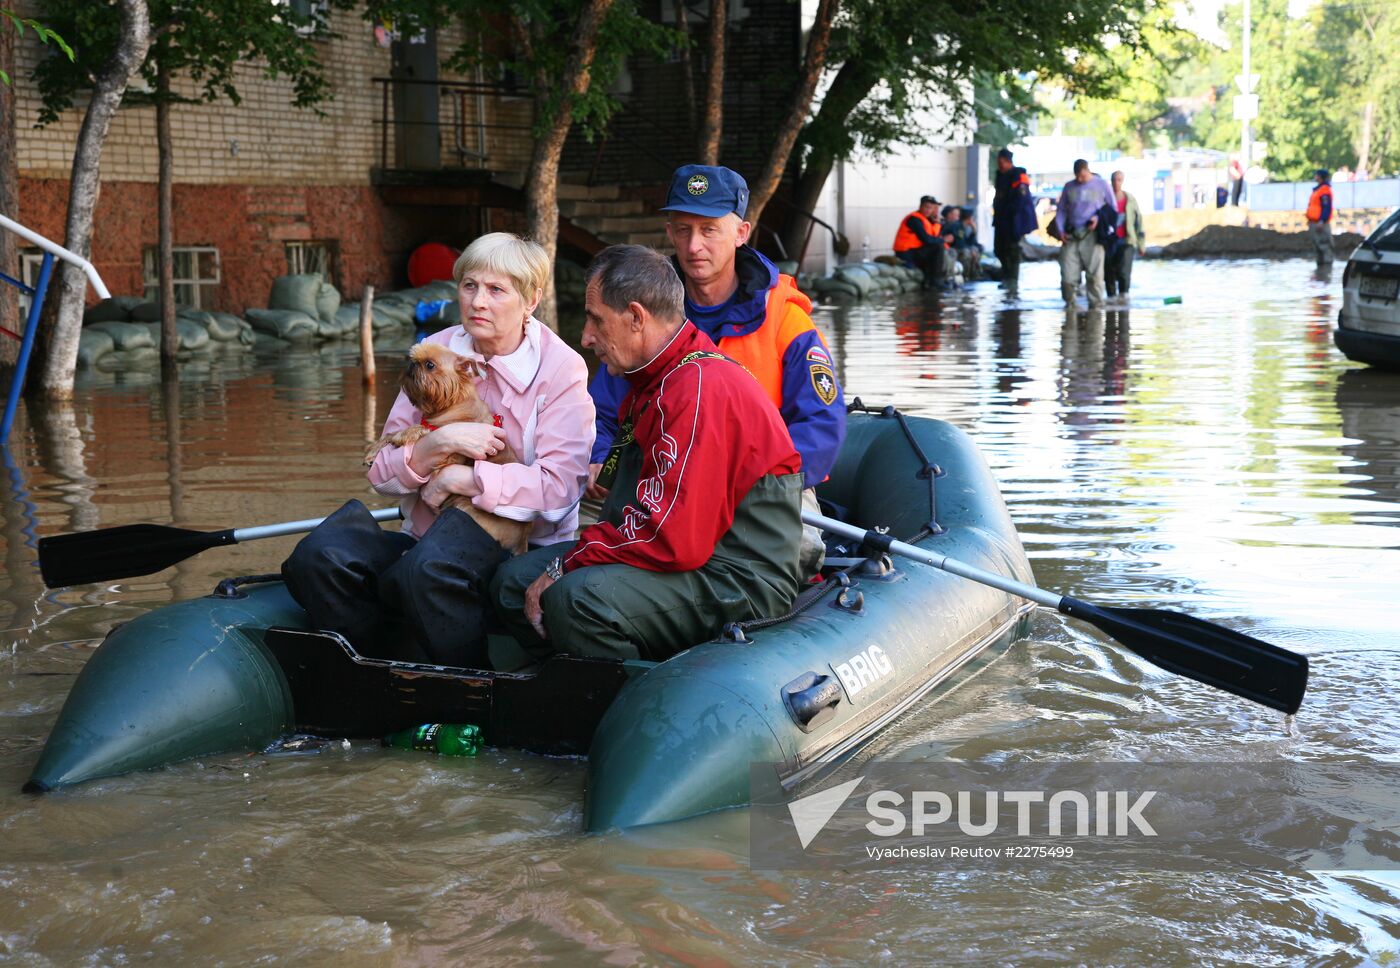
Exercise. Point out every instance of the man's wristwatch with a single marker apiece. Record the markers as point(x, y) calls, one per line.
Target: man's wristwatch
point(555, 568)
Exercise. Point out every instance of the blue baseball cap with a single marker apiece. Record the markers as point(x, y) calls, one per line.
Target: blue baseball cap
point(708, 191)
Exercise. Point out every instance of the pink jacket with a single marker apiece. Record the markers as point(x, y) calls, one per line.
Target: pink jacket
point(540, 393)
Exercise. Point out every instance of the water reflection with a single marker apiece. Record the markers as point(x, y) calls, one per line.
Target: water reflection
point(1369, 402)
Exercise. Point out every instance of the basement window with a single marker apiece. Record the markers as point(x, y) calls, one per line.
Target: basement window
point(197, 275)
point(305, 258)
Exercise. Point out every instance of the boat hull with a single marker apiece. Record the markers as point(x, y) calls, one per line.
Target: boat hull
point(665, 740)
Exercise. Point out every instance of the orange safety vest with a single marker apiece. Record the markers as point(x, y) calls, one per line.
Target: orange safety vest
point(1315, 202)
point(904, 239)
point(787, 316)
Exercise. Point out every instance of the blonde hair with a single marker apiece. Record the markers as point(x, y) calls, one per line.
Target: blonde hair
point(523, 261)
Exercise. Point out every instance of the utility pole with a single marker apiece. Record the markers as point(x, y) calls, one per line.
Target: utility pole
point(1247, 101)
point(1248, 86)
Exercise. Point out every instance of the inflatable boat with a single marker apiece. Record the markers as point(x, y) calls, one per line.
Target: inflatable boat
point(240, 668)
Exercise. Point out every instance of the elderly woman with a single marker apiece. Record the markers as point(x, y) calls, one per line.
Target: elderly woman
point(357, 579)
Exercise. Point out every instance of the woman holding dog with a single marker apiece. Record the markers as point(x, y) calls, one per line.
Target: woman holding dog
point(357, 579)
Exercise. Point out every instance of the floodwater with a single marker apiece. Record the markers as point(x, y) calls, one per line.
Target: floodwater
point(1218, 457)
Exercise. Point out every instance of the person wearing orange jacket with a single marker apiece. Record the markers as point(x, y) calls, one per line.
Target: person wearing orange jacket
point(1320, 217)
point(919, 243)
point(757, 316)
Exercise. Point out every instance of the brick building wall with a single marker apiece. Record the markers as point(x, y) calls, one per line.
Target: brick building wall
point(253, 177)
point(249, 178)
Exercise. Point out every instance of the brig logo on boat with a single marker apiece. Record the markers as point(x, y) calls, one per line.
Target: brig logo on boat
point(863, 669)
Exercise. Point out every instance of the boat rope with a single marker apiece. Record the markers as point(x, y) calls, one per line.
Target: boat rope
point(929, 471)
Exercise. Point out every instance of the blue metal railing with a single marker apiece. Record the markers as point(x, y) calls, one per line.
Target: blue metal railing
point(26, 346)
point(52, 250)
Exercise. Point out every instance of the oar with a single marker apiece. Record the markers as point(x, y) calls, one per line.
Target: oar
point(142, 549)
point(1187, 646)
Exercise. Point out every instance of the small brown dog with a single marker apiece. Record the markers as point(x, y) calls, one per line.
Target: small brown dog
point(442, 385)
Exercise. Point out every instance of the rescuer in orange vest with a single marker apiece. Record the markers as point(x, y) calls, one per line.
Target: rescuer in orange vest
point(919, 243)
point(758, 318)
point(1320, 217)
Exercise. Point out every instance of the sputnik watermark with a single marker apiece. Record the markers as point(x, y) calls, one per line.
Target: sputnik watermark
point(1152, 816)
point(1113, 813)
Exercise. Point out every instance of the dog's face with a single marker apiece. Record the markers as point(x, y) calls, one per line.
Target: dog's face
point(437, 378)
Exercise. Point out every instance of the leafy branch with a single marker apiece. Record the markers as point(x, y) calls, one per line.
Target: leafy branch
point(45, 35)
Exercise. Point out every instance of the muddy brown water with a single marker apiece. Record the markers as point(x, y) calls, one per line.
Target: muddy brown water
point(1217, 457)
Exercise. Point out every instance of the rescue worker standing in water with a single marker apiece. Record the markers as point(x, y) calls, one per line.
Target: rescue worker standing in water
point(757, 316)
point(1320, 217)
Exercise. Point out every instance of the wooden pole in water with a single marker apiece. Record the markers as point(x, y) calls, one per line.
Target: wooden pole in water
point(367, 334)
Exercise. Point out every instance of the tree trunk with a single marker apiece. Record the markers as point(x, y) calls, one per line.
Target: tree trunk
point(542, 177)
point(712, 123)
point(852, 84)
point(59, 342)
point(818, 40)
point(9, 203)
point(165, 257)
point(687, 70)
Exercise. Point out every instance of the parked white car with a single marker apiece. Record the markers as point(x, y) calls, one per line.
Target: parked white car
point(1368, 327)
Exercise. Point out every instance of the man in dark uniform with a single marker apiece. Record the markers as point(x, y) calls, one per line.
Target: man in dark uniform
point(1013, 216)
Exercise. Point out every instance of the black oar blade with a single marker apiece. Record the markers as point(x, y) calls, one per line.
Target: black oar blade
point(1200, 650)
point(124, 552)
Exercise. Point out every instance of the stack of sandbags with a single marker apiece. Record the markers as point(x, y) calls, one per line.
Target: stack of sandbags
point(130, 328)
point(301, 308)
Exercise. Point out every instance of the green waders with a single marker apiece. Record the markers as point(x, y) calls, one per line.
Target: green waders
point(623, 612)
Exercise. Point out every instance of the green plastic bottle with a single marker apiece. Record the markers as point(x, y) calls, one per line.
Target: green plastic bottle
point(449, 739)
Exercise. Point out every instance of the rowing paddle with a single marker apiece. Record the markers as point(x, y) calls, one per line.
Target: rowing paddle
point(1187, 646)
point(143, 549)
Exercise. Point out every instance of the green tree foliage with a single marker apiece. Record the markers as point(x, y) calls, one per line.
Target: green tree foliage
point(894, 59)
point(44, 34)
point(1329, 90)
point(203, 40)
point(532, 40)
point(1137, 114)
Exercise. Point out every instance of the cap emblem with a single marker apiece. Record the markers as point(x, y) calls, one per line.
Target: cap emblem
point(697, 185)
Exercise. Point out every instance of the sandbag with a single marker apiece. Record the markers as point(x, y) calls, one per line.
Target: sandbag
point(338, 326)
point(139, 357)
point(327, 302)
point(93, 344)
point(858, 278)
point(146, 312)
point(349, 317)
point(189, 335)
point(830, 285)
point(125, 336)
point(287, 324)
point(222, 327)
point(395, 313)
point(295, 293)
point(116, 309)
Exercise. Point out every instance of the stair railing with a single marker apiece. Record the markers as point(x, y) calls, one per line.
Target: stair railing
point(37, 293)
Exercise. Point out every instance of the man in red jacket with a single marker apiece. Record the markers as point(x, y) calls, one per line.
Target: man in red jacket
point(702, 521)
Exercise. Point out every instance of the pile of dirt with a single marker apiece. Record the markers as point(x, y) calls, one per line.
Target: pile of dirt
point(1243, 242)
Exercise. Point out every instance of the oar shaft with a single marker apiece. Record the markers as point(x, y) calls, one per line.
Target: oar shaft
point(885, 543)
point(297, 527)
